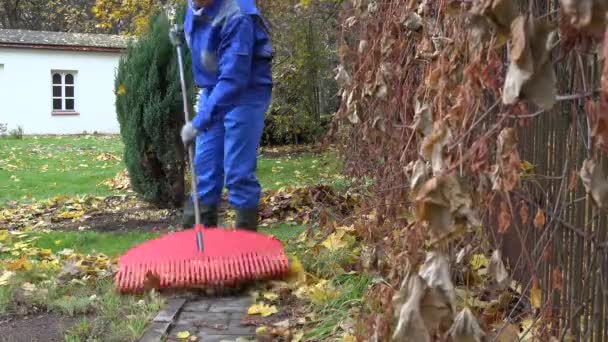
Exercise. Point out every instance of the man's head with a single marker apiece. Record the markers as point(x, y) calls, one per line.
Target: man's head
point(202, 3)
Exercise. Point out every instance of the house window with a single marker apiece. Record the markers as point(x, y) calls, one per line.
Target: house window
point(63, 91)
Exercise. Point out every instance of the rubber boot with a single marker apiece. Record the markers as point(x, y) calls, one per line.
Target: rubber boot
point(247, 219)
point(209, 216)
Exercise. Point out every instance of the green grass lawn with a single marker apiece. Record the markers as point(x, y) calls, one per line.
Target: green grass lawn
point(43, 167)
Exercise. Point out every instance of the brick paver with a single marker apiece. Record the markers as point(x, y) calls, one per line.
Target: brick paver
point(214, 320)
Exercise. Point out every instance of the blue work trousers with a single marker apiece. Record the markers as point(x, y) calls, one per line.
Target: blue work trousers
point(226, 154)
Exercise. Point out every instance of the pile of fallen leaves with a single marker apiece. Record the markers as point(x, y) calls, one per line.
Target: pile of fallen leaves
point(21, 256)
point(77, 211)
point(120, 182)
point(301, 204)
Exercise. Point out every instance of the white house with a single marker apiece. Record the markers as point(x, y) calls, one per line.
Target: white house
point(59, 83)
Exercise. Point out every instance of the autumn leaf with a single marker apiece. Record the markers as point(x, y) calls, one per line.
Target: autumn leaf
point(262, 309)
point(71, 214)
point(270, 296)
point(595, 182)
point(22, 264)
point(183, 335)
point(6, 277)
point(321, 292)
point(478, 261)
point(348, 338)
point(524, 213)
point(261, 331)
point(498, 270)
point(535, 295)
point(539, 219)
point(335, 241)
point(410, 324)
point(297, 337)
point(121, 90)
point(558, 279)
point(530, 74)
point(585, 14)
point(504, 219)
point(296, 274)
point(466, 328)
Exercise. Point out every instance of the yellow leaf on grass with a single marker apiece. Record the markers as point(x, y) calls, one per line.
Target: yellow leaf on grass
point(19, 265)
point(183, 335)
point(322, 292)
point(263, 330)
point(478, 261)
point(348, 338)
point(270, 295)
point(262, 309)
point(335, 241)
point(535, 296)
point(296, 271)
point(3, 235)
point(6, 277)
point(71, 214)
point(297, 337)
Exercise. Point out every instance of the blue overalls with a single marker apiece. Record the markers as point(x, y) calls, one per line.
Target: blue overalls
point(231, 62)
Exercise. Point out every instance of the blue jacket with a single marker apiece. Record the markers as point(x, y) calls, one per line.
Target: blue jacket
point(231, 55)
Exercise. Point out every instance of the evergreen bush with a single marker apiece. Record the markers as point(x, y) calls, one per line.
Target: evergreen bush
point(150, 113)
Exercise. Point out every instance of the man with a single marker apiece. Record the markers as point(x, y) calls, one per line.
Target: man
point(231, 62)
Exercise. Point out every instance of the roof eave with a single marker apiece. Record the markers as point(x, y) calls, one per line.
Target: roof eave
point(62, 47)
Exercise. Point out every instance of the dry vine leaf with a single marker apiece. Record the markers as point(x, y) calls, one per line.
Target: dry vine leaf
point(439, 302)
point(524, 213)
point(504, 219)
point(433, 145)
point(595, 182)
point(535, 295)
point(530, 74)
point(585, 14)
point(498, 271)
point(539, 219)
point(412, 21)
point(466, 328)
point(558, 279)
point(419, 174)
point(351, 107)
point(505, 174)
point(423, 119)
point(442, 202)
point(600, 117)
point(401, 296)
point(501, 13)
point(410, 325)
point(488, 17)
point(342, 76)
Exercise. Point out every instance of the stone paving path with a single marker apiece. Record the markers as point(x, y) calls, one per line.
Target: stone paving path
point(209, 319)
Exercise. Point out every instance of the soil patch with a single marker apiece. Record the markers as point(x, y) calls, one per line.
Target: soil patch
point(45, 327)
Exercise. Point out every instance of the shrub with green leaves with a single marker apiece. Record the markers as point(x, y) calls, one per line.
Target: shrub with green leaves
point(150, 113)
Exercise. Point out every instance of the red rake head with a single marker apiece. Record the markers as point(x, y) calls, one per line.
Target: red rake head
point(228, 257)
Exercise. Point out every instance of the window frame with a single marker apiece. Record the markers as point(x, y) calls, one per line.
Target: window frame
point(63, 86)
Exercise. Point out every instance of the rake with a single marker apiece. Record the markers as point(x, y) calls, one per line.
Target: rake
point(200, 257)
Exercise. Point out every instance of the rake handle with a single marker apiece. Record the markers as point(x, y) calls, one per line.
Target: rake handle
point(197, 209)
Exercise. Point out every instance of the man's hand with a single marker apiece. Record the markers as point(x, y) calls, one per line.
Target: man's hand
point(177, 36)
point(188, 133)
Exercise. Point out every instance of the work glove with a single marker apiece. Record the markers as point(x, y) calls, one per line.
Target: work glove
point(188, 133)
point(177, 36)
